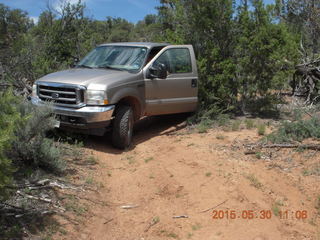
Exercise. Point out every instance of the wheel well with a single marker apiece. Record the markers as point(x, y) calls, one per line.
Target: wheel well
point(134, 103)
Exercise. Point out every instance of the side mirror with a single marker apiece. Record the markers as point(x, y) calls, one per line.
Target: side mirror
point(159, 71)
point(75, 61)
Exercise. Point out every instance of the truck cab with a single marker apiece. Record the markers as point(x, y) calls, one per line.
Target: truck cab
point(118, 83)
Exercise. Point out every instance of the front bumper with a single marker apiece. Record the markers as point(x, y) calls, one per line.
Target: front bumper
point(88, 117)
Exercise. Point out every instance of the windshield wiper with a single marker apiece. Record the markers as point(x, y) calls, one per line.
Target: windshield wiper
point(83, 66)
point(109, 67)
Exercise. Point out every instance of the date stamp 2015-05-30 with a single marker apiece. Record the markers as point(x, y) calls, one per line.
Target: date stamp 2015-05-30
point(260, 214)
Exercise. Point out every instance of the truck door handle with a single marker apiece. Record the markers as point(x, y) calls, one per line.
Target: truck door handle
point(194, 83)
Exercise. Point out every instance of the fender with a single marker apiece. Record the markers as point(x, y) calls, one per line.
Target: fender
point(129, 92)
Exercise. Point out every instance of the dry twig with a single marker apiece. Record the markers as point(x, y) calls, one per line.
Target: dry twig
point(206, 210)
point(110, 220)
point(153, 222)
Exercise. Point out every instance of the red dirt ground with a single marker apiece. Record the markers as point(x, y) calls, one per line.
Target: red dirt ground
point(172, 171)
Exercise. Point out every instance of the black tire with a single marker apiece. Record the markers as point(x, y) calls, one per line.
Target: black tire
point(122, 127)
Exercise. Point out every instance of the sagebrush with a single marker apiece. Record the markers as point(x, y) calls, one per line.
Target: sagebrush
point(23, 140)
point(296, 130)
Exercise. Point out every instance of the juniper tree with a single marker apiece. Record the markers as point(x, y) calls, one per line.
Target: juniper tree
point(8, 118)
point(266, 52)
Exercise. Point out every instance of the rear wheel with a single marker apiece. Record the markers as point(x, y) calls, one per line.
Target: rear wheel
point(122, 127)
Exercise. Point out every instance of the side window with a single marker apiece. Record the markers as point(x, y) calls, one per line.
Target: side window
point(176, 60)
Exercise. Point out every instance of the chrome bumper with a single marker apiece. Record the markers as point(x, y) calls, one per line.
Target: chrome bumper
point(88, 117)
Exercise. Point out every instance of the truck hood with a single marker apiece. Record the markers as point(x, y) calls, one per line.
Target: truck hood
point(84, 77)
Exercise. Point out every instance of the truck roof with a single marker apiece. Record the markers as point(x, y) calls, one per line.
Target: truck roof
point(137, 44)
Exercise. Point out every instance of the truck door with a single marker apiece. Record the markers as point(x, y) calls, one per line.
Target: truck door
point(178, 91)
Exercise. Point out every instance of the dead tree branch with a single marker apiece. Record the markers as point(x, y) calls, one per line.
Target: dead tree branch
point(253, 149)
point(306, 80)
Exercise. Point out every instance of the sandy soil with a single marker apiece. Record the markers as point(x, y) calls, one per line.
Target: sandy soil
point(171, 171)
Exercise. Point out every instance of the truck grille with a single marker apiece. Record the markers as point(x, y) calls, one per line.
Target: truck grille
point(61, 94)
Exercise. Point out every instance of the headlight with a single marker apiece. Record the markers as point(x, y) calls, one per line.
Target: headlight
point(34, 90)
point(96, 97)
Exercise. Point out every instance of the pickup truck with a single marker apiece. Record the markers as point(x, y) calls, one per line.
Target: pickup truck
point(118, 83)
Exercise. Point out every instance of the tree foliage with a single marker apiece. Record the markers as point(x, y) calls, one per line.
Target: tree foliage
point(243, 52)
point(8, 121)
point(303, 18)
point(266, 52)
point(246, 50)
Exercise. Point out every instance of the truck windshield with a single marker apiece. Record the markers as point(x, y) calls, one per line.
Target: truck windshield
point(115, 57)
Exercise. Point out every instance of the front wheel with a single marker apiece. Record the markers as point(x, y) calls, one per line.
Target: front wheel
point(122, 127)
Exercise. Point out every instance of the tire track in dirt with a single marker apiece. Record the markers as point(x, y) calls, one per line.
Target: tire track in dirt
point(170, 172)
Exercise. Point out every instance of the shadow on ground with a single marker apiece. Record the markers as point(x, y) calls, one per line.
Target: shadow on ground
point(144, 130)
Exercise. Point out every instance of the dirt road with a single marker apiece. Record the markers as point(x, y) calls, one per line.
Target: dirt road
point(171, 172)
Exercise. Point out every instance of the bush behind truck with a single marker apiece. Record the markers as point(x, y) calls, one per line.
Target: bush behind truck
point(118, 83)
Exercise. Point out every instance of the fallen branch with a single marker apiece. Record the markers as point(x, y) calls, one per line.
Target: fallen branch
point(11, 206)
point(68, 218)
point(252, 150)
point(306, 80)
point(45, 183)
point(305, 146)
point(48, 200)
point(61, 186)
point(18, 212)
point(45, 212)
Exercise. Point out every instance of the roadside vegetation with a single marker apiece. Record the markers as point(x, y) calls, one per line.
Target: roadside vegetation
point(296, 130)
point(23, 142)
point(26, 156)
point(35, 163)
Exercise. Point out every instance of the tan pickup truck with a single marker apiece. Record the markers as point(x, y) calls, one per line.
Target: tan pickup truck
point(118, 83)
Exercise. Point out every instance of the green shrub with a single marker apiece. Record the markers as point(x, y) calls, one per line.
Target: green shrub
point(264, 106)
point(254, 181)
point(23, 139)
point(297, 114)
point(296, 131)
point(258, 155)
point(204, 125)
point(206, 118)
point(206, 113)
point(8, 119)
point(30, 145)
point(249, 123)
point(236, 125)
point(276, 209)
point(261, 129)
point(223, 120)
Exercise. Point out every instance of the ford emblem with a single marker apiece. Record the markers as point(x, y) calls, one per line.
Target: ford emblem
point(55, 95)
